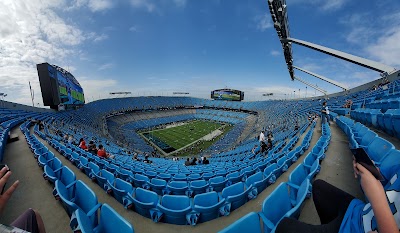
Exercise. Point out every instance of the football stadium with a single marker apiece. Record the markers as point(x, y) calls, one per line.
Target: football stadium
point(323, 159)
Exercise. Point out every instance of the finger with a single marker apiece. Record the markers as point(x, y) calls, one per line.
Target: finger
point(361, 168)
point(4, 179)
point(3, 171)
point(7, 194)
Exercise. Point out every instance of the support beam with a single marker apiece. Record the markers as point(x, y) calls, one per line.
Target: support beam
point(311, 85)
point(345, 56)
point(323, 78)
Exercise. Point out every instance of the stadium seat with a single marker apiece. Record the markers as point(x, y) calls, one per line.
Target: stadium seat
point(217, 183)
point(44, 158)
point(297, 177)
point(144, 201)
point(236, 195)
point(78, 196)
point(378, 149)
point(123, 192)
point(208, 175)
point(178, 188)
point(83, 163)
point(234, 177)
point(175, 209)
point(197, 187)
point(180, 177)
point(209, 206)
point(105, 180)
point(64, 174)
point(91, 170)
point(256, 182)
point(278, 205)
point(157, 185)
point(194, 176)
point(74, 158)
point(109, 222)
point(248, 223)
point(139, 180)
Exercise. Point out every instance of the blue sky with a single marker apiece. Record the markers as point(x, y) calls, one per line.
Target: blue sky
point(156, 47)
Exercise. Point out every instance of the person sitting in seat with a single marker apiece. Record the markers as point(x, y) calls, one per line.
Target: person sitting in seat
point(92, 148)
point(82, 144)
point(187, 162)
point(101, 152)
point(194, 162)
point(206, 161)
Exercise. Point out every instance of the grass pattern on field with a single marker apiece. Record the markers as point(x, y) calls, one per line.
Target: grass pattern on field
point(180, 136)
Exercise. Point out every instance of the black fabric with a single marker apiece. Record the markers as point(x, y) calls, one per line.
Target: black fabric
point(331, 204)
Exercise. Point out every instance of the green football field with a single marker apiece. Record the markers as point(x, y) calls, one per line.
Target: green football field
point(180, 136)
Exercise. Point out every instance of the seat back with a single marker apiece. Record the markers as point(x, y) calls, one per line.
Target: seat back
point(206, 199)
point(233, 190)
point(112, 222)
point(175, 202)
point(67, 176)
point(160, 182)
point(248, 223)
point(108, 175)
point(94, 167)
point(123, 185)
point(198, 183)
point(85, 198)
point(277, 204)
point(178, 184)
point(368, 138)
point(146, 196)
point(216, 179)
point(379, 148)
point(254, 178)
point(55, 164)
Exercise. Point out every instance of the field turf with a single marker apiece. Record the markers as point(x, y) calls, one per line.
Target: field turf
point(180, 136)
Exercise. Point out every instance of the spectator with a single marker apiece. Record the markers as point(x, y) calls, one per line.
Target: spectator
point(187, 162)
point(325, 113)
point(206, 161)
point(101, 152)
point(82, 144)
point(341, 212)
point(194, 162)
point(71, 139)
point(92, 148)
point(30, 220)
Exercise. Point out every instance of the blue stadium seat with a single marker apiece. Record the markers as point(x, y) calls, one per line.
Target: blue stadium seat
point(83, 163)
point(209, 206)
point(105, 180)
point(44, 158)
point(297, 177)
point(178, 188)
point(144, 201)
point(74, 158)
point(198, 186)
point(157, 185)
point(236, 195)
point(64, 174)
point(194, 176)
point(378, 149)
point(272, 172)
point(139, 180)
point(217, 183)
point(257, 182)
point(208, 175)
point(234, 177)
point(78, 196)
point(123, 192)
point(164, 176)
point(180, 177)
point(278, 205)
point(175, 209)
point(110, 222)
point(248, 223)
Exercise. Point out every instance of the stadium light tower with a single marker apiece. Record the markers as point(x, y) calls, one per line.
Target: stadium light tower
point(278, 9)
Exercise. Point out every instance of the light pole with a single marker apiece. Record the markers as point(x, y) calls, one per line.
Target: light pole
point(294, 94)
point(306, 93)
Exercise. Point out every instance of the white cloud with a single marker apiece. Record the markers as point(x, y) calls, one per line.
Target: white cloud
point(146, 4)
point(99, 5)
point(133, 29)
point(106, 66)
point(100, 37)
point(331, 5)
point(263, 22)
point(32, 32)
point(275, 53)
point(387, 48)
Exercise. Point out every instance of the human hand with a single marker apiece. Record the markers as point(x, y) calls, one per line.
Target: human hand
point(369, 183)
point(5, 175)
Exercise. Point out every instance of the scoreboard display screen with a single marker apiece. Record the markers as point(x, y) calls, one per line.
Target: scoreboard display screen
point(227, 94)
point(59, 87)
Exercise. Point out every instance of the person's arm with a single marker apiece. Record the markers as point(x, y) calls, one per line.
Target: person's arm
point(376, 195)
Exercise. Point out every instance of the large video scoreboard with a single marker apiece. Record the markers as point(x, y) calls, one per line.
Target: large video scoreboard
point(227, 94)
point(60, 89)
